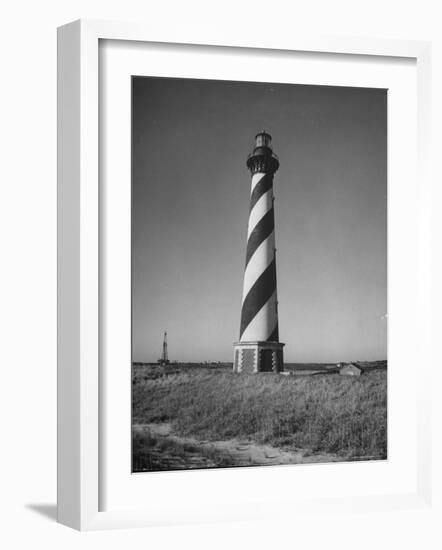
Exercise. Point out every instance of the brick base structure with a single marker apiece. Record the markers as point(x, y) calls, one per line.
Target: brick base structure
point(252, 357)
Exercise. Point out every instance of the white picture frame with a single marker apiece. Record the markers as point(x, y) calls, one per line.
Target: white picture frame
point(79, 273)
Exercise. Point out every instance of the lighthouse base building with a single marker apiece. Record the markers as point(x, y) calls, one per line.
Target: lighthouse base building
point(259, 349)
point(251, 357)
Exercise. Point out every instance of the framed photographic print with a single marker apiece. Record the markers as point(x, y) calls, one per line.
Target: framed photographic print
point(312, 401)
point(242, 257)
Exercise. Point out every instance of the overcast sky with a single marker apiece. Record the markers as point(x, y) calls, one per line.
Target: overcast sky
point(190, 209)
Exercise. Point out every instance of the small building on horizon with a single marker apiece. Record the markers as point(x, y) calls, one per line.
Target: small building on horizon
point(350, 369)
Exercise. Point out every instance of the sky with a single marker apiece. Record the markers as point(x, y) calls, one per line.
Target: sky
point(190, 201)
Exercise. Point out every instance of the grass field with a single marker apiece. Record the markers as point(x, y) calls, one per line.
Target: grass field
point(326, 414)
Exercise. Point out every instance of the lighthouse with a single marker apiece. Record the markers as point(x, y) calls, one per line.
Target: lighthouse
point(164, 359)
point(259, 349)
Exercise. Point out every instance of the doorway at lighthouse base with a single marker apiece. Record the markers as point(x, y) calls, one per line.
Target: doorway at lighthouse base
point(253, 357)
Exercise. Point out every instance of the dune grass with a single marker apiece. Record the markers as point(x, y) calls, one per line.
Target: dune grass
point(321, 414)
point(152, 453)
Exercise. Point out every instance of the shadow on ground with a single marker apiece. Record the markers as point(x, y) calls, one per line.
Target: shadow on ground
point(48, 511)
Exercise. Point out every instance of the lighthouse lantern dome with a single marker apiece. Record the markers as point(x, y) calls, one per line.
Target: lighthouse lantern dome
point(263, 139)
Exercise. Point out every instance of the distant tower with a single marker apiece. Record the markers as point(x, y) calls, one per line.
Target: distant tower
point(164, 357)
point(259, 349)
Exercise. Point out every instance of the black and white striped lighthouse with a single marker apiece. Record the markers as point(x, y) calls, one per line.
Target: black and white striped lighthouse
point(259, 349)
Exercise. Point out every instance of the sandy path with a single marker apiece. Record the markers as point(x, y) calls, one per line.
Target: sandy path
point(242, 452)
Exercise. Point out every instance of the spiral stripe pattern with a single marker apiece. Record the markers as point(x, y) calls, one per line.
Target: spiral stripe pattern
point(259, 317)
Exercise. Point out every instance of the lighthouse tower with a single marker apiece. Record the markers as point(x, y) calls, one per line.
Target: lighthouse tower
point(164, 359)
point(259, 349)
